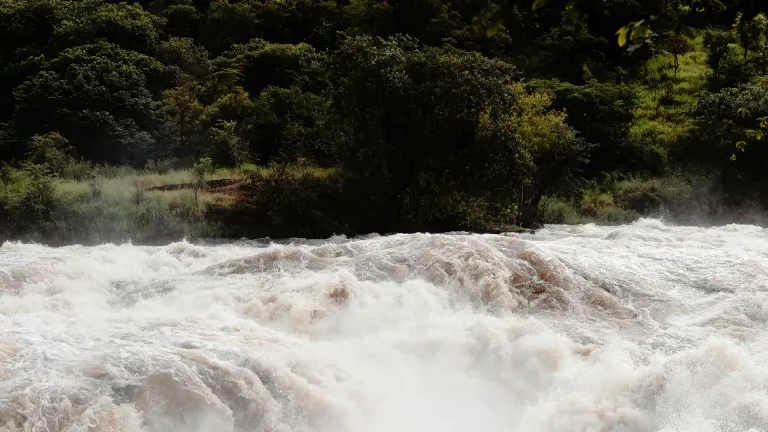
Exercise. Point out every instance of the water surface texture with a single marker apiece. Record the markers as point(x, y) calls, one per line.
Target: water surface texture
point(643, 327)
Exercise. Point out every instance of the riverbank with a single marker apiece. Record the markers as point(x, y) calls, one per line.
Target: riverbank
point(155, 206)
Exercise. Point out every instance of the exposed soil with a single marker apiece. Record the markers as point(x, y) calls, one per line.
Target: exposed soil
point(213, 186)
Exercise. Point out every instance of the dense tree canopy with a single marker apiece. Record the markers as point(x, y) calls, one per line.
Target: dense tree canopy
point(444, 113)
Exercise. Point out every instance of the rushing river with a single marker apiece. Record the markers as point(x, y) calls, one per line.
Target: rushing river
point(643, 327)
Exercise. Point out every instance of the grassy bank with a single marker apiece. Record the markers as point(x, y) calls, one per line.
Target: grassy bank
point(148, 206)
point(112, 205)
point(152, 206)
point(681, 199)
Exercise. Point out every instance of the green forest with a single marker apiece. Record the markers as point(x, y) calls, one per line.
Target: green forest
point(161, 119)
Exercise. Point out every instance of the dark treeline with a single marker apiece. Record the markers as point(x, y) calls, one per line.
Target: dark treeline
point(430, 121)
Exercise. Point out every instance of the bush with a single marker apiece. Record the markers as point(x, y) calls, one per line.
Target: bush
point(289, 201)
point(226, 146)
point(720, 125)
point(27, 201)
point(78, 171)
point(602, 114)
point(553, 210)
point(727, 66)
point(600, 206)
point(50, 150)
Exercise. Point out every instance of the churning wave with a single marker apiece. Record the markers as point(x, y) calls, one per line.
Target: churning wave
point(642, 327)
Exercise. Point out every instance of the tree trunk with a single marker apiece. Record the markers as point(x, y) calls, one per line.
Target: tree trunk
point(677, 64)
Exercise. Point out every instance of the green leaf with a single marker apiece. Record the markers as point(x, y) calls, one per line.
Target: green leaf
point(622, 33)
point(572, 11)
point(733, 157)
point(759, 135)
point(493, 28)
point(688, 32)
point(744, 112)
point(537, 4)
point(492, 18)
point(741, 145)
point(640, 32)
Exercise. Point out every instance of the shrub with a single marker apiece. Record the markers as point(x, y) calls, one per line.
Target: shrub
point(555, 210)
point(78, 170)
point(602, 114)
point(720, 125)
point(288, 201)
point(27, 201)
point(199, 171)
point(51, 150)
point(226, 147)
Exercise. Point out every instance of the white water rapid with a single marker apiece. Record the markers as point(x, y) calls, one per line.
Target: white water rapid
point(643, 327)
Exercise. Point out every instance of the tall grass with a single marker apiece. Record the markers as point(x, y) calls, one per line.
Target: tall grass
point(130, 179)
point(686, 199)
point(96, 204)
point(297, 201)
point(90, 204)
point(149, 218)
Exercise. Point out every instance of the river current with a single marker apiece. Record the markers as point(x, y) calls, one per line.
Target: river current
point(634, 328)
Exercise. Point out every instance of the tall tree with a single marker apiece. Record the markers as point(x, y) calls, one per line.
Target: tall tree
point(125, 25)
point(100, 97)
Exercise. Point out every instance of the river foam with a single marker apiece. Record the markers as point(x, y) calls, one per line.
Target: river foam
point(642, 327)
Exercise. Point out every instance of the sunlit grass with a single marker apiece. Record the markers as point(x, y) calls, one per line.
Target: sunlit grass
point(102, 204)
point(687, 198)
point(127, 185)
point(665, 101)
point(294, 171)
